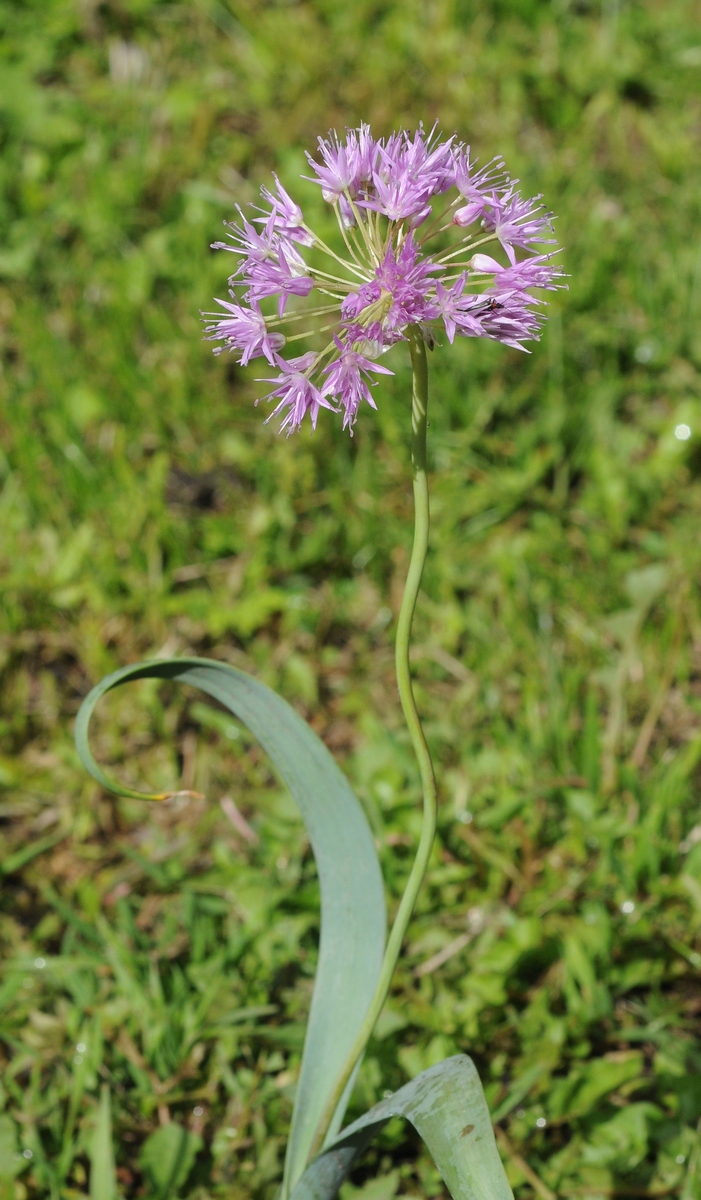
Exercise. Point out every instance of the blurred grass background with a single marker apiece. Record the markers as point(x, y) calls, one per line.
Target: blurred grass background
point(145, 508)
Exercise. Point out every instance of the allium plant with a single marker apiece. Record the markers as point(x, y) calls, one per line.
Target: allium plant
point(419, 225)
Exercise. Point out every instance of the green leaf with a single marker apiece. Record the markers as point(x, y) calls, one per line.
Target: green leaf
point(601, 1077)
point(644, 586)
point(623, 1142)
point(352, 896)
point(15, 862)
point(103, 1181)
point(167, 1157)
point(11, 1162)
point(446, 1106)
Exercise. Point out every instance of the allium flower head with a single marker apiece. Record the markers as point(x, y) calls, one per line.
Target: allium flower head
point(418, 224)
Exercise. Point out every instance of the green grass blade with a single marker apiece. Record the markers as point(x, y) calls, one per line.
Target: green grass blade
point(103, 1180)
point(446, 1106)
point(353, 918)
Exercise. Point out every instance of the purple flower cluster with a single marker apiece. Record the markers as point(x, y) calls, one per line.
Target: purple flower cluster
point(413, 215)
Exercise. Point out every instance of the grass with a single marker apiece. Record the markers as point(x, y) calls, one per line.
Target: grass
point(170, 952)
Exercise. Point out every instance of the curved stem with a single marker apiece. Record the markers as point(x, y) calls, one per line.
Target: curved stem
point(406, 694)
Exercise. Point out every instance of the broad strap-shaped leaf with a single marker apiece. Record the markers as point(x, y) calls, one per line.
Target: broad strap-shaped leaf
point(446, 1106)
point(353, 920)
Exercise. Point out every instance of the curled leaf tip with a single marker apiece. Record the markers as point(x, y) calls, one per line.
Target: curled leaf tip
point(160, 797)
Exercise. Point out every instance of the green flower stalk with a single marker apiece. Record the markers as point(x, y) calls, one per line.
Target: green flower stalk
point(419, 415)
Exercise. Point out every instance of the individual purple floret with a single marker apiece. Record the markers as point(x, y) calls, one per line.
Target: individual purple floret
point(296, 393)
point(418, 226)
point(282, 275)
point(245, 330)
point(346, 379)
point(530, 272)
point(288, 216)
point(476, 185)
point(347, 166)
point(518, 222)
